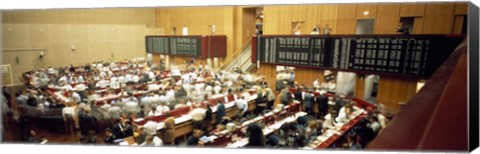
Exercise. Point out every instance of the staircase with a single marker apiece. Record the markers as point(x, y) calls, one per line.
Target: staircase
point(241, 59)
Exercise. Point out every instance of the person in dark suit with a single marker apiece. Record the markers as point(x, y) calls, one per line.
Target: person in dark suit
point(208, 118)
point(194, 140)
point(87, 67)
point(298, 95)
point(71, 69)
point(91, 138)
point(33, 138)
point(308, 102)
point(220, 112)
point(119, 128)
point(87, 122)
point(169, 131)
point(322, 105)
point(142, 135)
point(255, 136)
point(109, 137)
point(128, 128)
point(7, 96)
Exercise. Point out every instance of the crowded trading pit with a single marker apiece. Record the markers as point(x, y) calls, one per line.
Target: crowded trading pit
point(137, 104)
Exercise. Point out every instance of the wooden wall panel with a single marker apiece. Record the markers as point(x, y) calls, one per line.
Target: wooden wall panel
point(412, 9)
point(370, 8)
point(392, 90)
point(461, 8)
point(307, 75)
point(439, 8)
point(347, 11)
point(359, 88)
point(418, 25)
point(346, 26)
point(437, 24)
point(197, 20)
point(438, 18)
point(457, 25)
point(131, 16)
point(270, 73)
point(91, 43)
point(248, 24)
point(388, 17)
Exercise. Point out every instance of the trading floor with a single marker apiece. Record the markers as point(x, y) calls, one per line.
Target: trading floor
point(316, 76)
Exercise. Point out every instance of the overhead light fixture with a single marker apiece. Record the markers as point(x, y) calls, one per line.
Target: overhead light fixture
point(365, 13)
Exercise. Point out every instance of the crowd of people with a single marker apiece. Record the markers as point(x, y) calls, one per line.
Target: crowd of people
point(105, 98)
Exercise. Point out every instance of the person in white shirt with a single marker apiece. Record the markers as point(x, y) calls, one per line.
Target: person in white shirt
point(152, 141)
point(242, 105)
point(332, 85)
point(198, 114)
point(209, 89)
point(71, 79)
point(331, 100)
point(181, 103)
point(190, 102)
point(381, 118)
point(170, 94)
point(228, 83)
point(51, 70)
point(374, 124)
point(68, 114)
point(162, 108)
point(99, 66)
point(102, 83)
point(131, 107)
point(152, 87)
point(80, 79)
point(63, 79)
point(153, 112)
point(128, 77)
point(316, 83)
point(246, 95)
point(199, 87)
point(122, 79)
point(151, 75)
point(217, 89)
point(163, 99)
point(110, 73)
point(105, 69)
point(146, 100)
point(135, 78)
point(80, 87)
point(114, 112)
point(330, 122)
point(102, 75)
point(114, 84)
point(345, 115)
point(76, 97)
point(65, 87)
point(175, 72)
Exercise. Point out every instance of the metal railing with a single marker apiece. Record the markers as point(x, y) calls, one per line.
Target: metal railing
point(228, 62)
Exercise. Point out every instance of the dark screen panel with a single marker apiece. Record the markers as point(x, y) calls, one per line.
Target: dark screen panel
point(412, 55)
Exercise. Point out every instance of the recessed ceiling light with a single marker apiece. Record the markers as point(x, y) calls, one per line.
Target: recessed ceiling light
point(366, 13)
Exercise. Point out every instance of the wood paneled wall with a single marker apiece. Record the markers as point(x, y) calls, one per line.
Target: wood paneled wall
point(430, 18)
point(248, 24)
point(111, 16)
point(90, 43)
point(308, 75)
point(198, 19)
point(95, 34)
point(270, 73)
point(392, 90)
